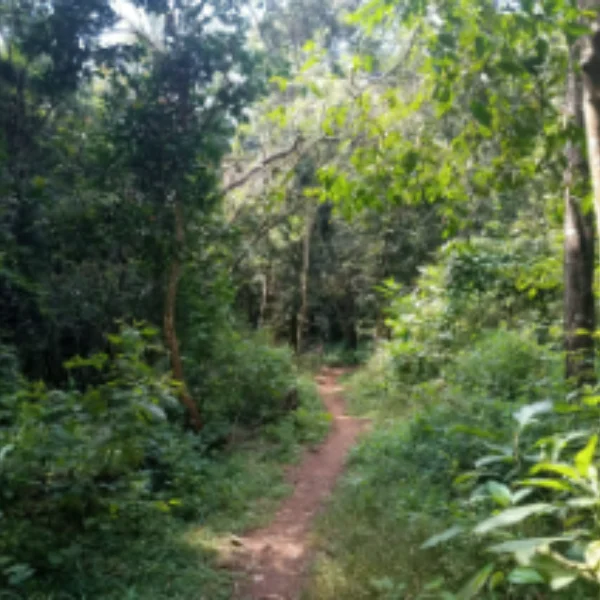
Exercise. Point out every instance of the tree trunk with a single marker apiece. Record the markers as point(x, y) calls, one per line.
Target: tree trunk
point(264, 298)
point(304, 275)
point(590, 64)
point(169, 328)
point(579, 255)
point(350, 333)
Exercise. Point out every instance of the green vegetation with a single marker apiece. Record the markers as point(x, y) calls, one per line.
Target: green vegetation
point(474, 444)
point(83, 470)
point(202, 200)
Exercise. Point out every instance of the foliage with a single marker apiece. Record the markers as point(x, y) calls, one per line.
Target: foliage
point(442, 392)
point(399, 488)
point(75, 457)
point(541, 490)
point(102, 459)
point(247, 380)
point(505, 365)
point(319, 175)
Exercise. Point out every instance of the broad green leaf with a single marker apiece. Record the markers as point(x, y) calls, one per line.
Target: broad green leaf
point(525, 576)
point(577, 29)
point(592, 555)
point(557, 575)
point(550, 484)
point(500, 493)
point(559, 468)
point(482, 113)
point(591, 400)
point(512, 516)
point(521, 494)
point(476, 583)
point(584, 458)
point(496, 580)
point(525, 549)
point(491, 459)
point(442, 537)
point(527, 413)
point(583, 502)
point(561, 579)
point(480, 46)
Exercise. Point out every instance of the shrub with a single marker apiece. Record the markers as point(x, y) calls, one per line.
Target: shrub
point(533, 500)
point(96, 465)
point(246, 382)
point(71, 461)
point(504, 365)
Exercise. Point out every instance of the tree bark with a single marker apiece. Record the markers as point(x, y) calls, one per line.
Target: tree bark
point(590, 63)
point(169, 328)
point(264, 298)
point(579, 250)
point(304, 275)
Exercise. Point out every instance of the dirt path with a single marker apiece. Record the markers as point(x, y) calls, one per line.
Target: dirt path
point(275, 558)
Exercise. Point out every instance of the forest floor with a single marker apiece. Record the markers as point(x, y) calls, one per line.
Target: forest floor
point(273, 560)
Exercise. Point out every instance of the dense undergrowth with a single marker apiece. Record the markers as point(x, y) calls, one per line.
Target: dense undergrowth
point(103, 496)
point(479, 478)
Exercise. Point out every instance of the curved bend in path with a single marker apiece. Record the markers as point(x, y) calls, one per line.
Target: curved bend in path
point(275, 557)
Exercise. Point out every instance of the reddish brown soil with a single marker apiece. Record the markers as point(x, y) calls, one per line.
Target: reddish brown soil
point(274, 558)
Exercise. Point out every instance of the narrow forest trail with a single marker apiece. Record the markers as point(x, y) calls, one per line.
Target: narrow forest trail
point(274, 559)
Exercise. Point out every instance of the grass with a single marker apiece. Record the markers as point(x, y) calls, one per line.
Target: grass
point(369, 539)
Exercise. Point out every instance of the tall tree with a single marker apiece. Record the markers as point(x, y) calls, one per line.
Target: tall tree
point(191, 87)
point(579, 250)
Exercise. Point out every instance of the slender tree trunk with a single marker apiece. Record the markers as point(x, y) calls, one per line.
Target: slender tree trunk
point(264, 298)
point(579, 254)
point(301, 322)
point(169, 328)
point(350, 333)
point(590, 63)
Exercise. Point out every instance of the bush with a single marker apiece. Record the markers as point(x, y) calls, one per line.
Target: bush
point(71, 461)
point(532, 498)
point(505, 365)
point(86, 470)
point(246, 381)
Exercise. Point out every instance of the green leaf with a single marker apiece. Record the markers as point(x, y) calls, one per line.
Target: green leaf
point(482, 113)
point(592, 555)
point(559, 468)
point(583, 502)
point(525, 549)
point(575, 29)
point(525, 576)
point(491, 459)
point(521, 494)
point(561, 578)
point(557, 575)
point(476, 583)
point(479, 46)
point(499, 493)
point(442, 537)
point(584, 458)
point(526, 414)
point(549, 484)
point(496, 580)
point(512, 516)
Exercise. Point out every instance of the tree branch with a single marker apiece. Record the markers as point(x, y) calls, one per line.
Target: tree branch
point(263, 164)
